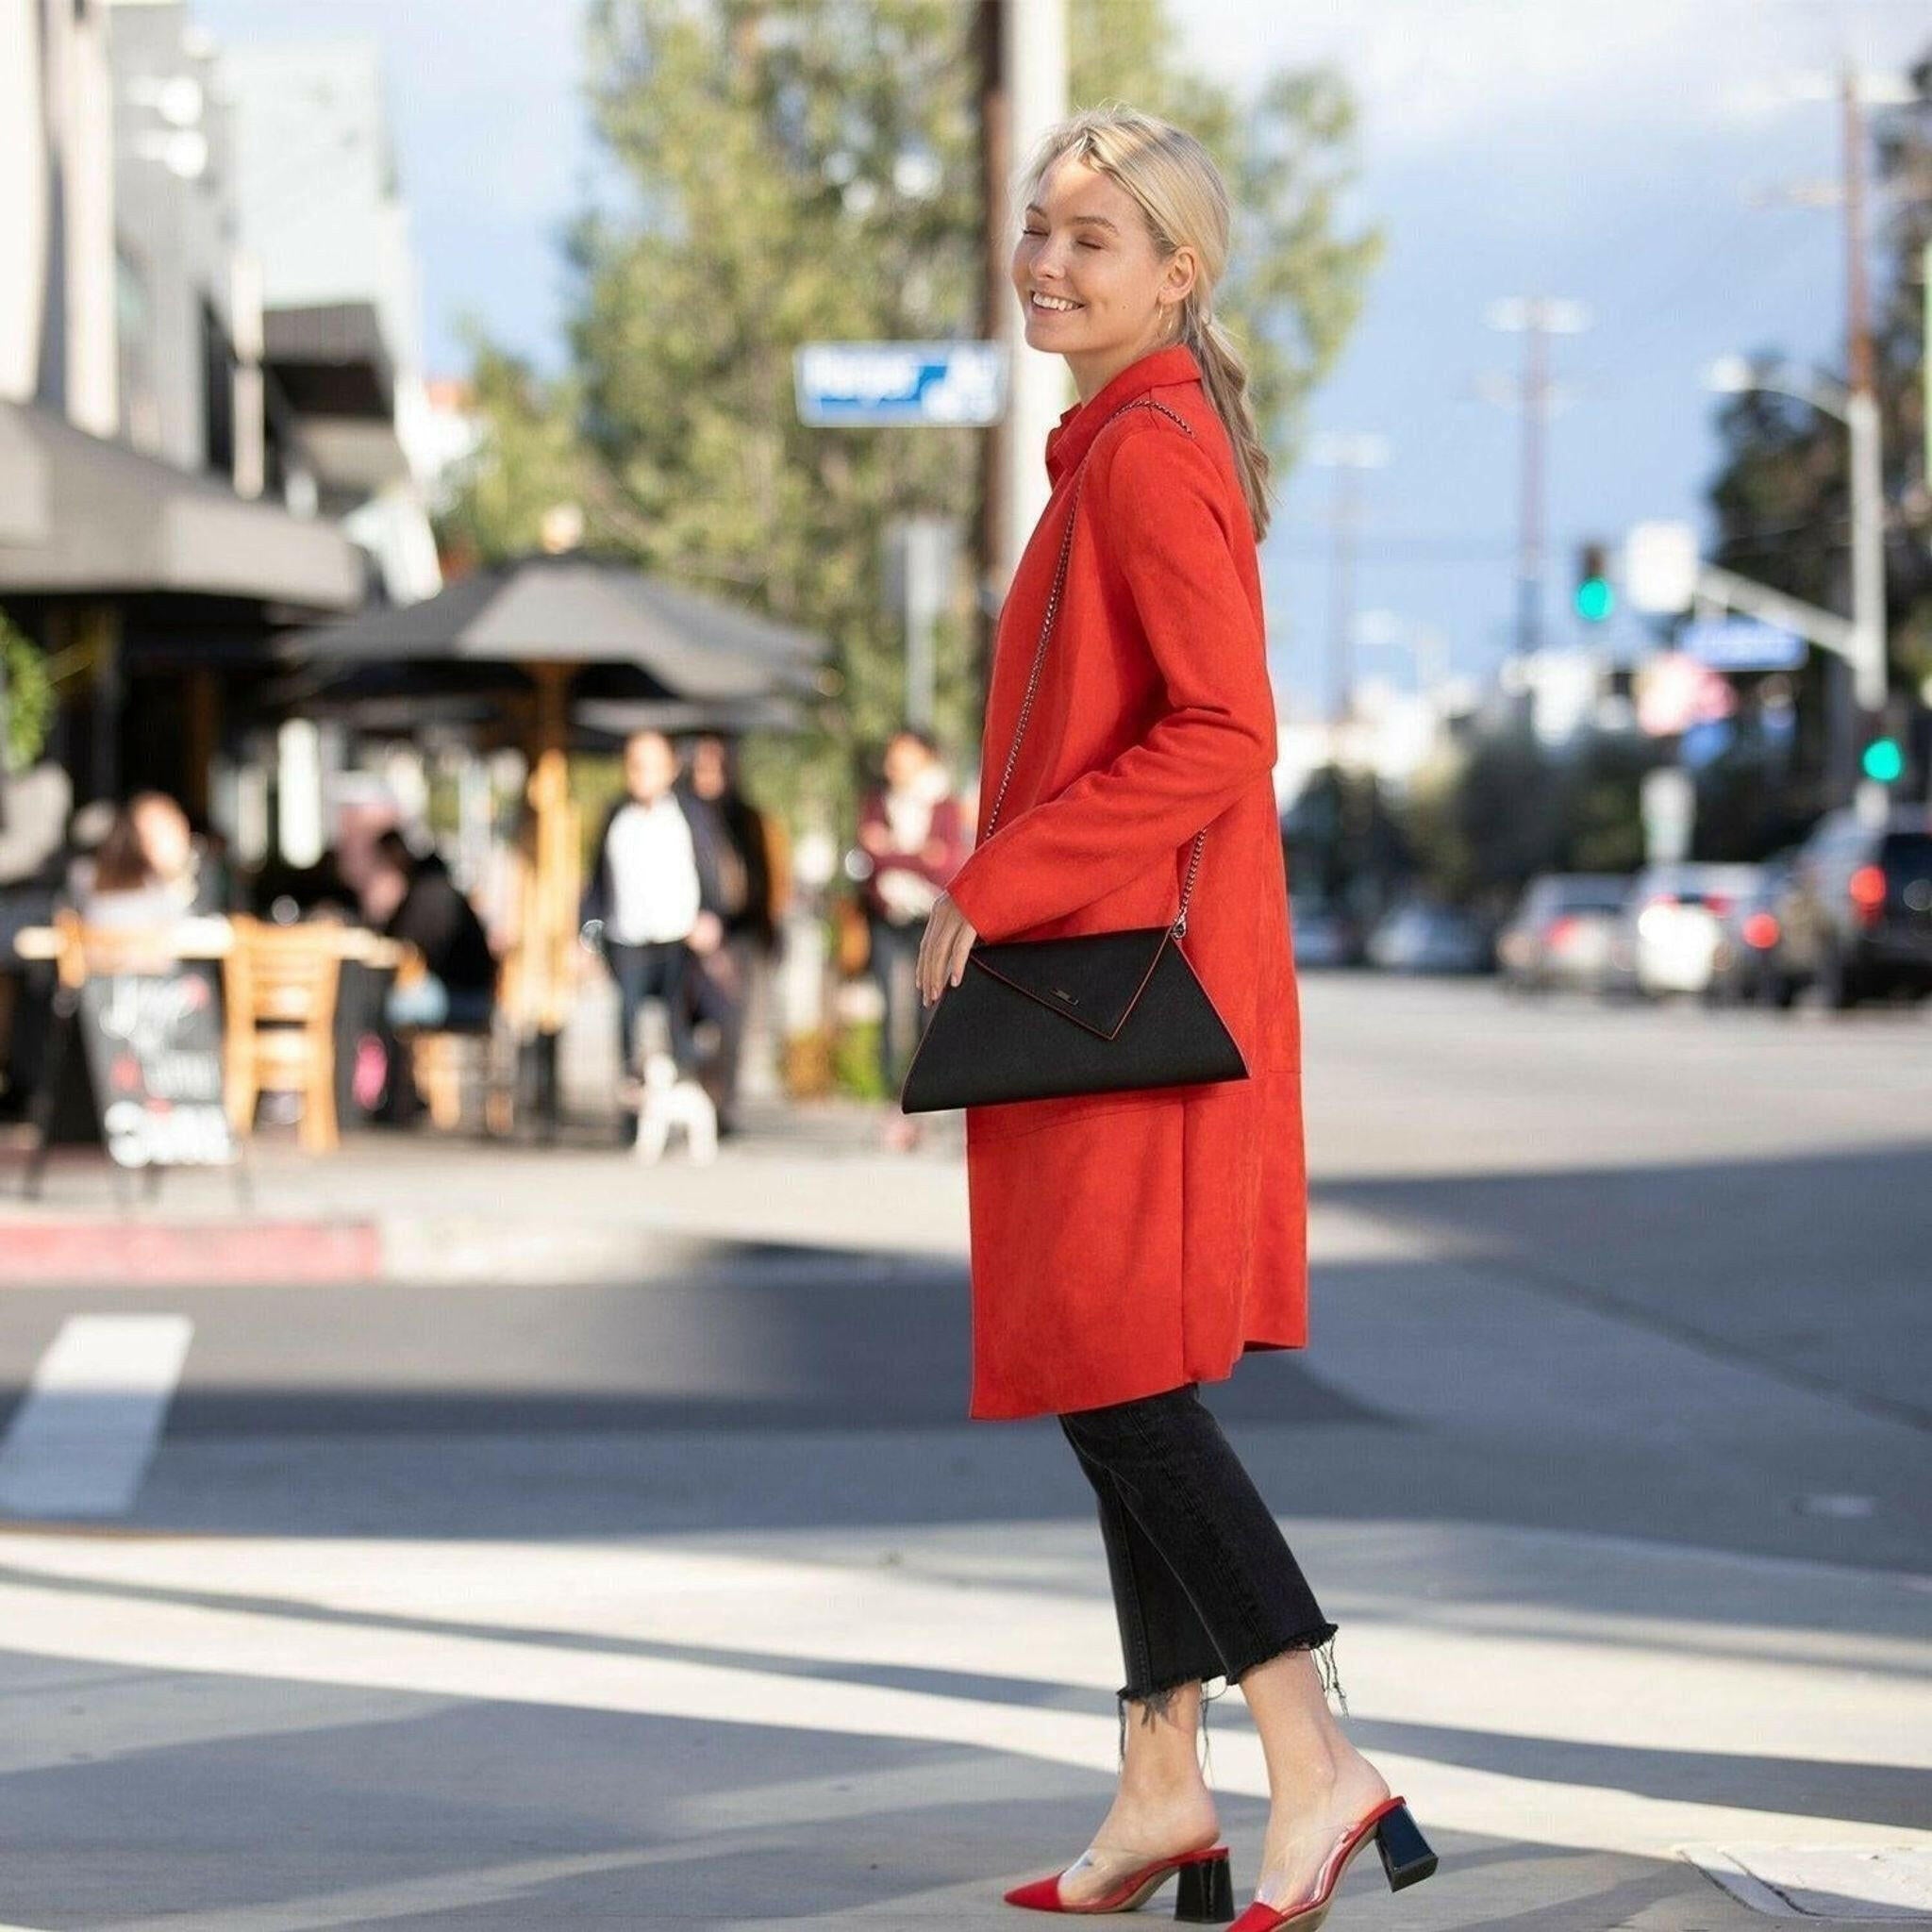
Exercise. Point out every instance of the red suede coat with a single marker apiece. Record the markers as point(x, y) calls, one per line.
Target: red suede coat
point(1124, 1243)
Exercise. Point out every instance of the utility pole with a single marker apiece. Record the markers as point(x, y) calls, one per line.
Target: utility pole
point(1022, 92)
point(1034, 41)
point(1348, 455)
point(1536, 317)
point(996, 167)
point(1529, 552)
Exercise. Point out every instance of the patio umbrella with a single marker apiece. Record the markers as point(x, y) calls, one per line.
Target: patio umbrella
point(564, 639)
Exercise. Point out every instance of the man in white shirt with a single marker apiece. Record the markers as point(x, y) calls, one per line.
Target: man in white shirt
point(646, 903)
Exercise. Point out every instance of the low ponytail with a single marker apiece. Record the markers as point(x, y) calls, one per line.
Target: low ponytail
point(1224, 375)
point(1181, 193)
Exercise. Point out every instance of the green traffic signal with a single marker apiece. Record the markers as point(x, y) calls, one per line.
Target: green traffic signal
point(1595, 599)
point(1884, 760)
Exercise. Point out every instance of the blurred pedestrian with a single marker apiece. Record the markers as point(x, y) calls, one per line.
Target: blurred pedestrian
point(912, 829)
point(644, 905)
point(458, 988)
point(1128, 1246)
point(726, 980)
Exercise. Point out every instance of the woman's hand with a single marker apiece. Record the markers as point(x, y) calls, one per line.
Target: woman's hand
point(943, 950)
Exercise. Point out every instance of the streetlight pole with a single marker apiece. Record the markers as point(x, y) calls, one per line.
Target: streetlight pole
point(1868, 549)
point(1861, 413)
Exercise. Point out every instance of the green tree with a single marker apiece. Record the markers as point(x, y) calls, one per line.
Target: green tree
point(529, 459)
point(799, 170)
point(26, 698)
point(1499, 807)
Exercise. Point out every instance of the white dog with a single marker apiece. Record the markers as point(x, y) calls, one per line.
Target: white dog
point(666, 1102)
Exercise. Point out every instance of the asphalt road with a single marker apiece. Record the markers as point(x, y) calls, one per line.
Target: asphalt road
point(686, 1595)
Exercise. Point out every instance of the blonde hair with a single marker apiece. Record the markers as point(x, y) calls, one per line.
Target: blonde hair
point(1180, 193)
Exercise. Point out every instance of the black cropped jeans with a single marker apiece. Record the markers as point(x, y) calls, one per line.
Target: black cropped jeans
point(1205, 1584)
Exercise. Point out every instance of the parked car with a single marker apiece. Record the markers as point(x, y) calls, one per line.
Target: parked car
point(1744, 971)
point(1856, 919)
point(1420, 937)
point(1323, 933)
point(1670, 935)
point(1559, 934)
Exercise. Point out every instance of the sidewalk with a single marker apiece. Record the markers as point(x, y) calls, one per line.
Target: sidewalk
point(417, 1207)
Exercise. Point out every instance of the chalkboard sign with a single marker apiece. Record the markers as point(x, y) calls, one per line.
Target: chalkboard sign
point(154, 1048)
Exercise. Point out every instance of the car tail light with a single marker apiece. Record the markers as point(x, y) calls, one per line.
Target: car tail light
point(1760, 930)
point(1868, 893)
point(1560, 932)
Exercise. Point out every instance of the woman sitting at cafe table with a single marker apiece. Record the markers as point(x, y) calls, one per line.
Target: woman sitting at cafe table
point(118, 886)
point(459, 989)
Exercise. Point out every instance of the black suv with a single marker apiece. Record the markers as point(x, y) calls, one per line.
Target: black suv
point(1856, 916)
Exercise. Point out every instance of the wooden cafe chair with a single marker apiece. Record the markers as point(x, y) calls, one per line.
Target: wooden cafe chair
point(281, 1004)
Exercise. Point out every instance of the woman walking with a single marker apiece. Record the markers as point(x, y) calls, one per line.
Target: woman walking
point(1128, 1246)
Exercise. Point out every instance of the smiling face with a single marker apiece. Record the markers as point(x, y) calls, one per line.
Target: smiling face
point(1093, 285)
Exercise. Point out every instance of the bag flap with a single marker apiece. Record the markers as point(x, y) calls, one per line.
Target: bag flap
point(1091, 979)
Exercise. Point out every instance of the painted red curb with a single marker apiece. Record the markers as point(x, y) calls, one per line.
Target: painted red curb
point(42, 1253)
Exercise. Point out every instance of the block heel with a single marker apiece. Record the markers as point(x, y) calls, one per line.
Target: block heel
point(1205, 1895)
point(1406, 1858)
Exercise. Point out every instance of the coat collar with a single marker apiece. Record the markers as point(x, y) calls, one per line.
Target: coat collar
point(1070, 438)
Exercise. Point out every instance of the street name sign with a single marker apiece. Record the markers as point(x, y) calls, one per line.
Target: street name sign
point(1742, 643)
point(881, 385)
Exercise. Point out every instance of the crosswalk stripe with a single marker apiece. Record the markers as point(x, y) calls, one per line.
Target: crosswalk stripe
point(82, 1439)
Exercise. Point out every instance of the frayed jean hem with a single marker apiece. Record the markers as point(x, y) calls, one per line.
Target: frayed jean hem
point(1156, 1701)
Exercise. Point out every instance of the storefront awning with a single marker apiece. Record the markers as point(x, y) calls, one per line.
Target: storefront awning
point(88, 517)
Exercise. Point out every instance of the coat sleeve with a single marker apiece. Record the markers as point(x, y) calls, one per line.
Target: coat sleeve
point(1163, 509)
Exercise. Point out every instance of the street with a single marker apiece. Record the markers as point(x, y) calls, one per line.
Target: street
point(620, 1555)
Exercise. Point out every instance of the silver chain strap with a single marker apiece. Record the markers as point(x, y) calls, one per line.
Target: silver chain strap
point(1053, 606)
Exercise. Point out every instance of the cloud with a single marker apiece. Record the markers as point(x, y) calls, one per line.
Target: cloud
point(1434, 74)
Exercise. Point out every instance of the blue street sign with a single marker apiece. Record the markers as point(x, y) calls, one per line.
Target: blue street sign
point(876, 385)
point(1742, 643)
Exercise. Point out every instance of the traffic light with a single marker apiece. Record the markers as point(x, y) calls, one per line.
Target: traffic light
point(1595, 599)
point(1884, 761)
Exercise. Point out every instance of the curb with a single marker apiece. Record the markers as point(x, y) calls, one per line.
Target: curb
point(53, 1253)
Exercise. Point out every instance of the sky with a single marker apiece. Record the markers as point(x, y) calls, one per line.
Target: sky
point(1626, 157)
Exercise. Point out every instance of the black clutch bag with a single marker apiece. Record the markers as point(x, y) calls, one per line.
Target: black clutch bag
point(1095, 1013)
